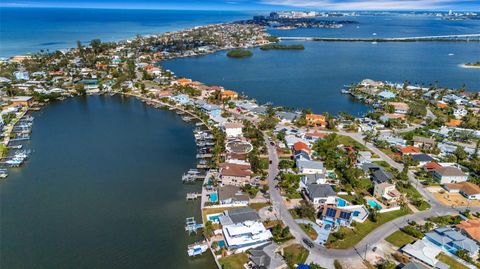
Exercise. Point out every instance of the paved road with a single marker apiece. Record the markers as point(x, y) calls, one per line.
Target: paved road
point(325, 257)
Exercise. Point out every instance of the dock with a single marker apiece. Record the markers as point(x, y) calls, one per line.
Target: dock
point(191, 226)
point(193, 196)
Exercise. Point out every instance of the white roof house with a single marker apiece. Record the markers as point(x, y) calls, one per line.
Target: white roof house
point(233, 129)
point(426, 252)
point(243, 236)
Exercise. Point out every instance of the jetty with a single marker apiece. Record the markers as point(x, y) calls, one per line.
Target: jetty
point(439, 38)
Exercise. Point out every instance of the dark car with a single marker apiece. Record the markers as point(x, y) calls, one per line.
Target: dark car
point(272, 143)
point(308, 243)
point(270, 162)
point(374, 249)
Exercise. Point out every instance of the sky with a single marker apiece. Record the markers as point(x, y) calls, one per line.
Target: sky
point(472, 5)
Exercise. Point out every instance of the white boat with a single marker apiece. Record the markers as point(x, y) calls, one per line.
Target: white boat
point(451, 54)
point(374, 34)
point(197, 248)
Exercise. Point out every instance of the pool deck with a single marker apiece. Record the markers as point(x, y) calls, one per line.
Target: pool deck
point(205, 192)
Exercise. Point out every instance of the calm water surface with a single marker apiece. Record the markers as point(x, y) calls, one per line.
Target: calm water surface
point(102, 190)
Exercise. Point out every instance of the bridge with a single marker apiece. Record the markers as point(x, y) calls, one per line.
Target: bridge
point(438, 38)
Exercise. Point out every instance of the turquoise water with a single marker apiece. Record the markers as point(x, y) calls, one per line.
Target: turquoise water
point(374, 204)
point(102, 189)
point(341, 202)
point(213, 197)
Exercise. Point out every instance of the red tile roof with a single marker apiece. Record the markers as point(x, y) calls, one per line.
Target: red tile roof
point(301, 146)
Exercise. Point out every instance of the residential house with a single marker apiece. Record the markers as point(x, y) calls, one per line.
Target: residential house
point(449, 175)
point(460, 113)
point(313, 137)
point(407, 150)
point(336, 215)
point(241, 232)
point(400, 107)
point(430, 166)
point(320, 194)
point(316, 120)
point(381, 176)
point(266, 257)
point(392, 140)
point(469, 190)
point(228, 95)
point(21, 75)
point(286, 117)
point(235, 174)
point(422, 159)
point(300, 148)
point(21, 101)
point(386, 95)
point(364, 157)
point(423, 142)
point(232, 195)
point(452, 241)
point(310, 167)
point(413, 265)
point(425, 252)
point(387, 192)
point(471, 228)
point(233, 129)
point(309, 179)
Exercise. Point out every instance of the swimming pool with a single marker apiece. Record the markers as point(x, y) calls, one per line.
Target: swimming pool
point(374, 204)
point(341, 202)
point(213, 197)
point(214, 218)
point(221, 244)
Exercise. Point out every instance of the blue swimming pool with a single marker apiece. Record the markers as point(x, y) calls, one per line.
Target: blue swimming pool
point(341, 202)
point(214, 218)
point(213, 197)
point(374, 204)
point(221, 244)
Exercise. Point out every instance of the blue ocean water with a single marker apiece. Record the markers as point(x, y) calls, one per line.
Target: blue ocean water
point(24, 30)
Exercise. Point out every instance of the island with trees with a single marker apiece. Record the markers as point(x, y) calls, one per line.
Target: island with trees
point(472, 65)
point(239, 53)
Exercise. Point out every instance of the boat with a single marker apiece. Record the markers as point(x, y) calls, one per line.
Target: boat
point(197, 248)
point(374, 34)
point(374, 42)
point(3, 173)
point(451, 54)
point(344, 91)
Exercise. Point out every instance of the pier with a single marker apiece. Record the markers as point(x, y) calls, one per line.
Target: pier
point(439, 38)
point(193, 196)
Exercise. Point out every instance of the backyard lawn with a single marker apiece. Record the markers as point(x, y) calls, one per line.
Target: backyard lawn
point(235, 261)
point(258, 206)
point(450, 261)
point(399, 239)
point(353, 236)
point(295, 254)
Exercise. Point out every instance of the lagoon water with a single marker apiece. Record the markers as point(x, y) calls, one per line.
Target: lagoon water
point(312, 78)
point(102, 189)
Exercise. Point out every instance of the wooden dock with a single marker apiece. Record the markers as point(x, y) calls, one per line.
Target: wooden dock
point(193, 196)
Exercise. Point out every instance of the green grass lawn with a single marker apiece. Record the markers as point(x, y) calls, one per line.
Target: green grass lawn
point(450, 262)
point(235, 261)
point(309, 231)
point(348, 141)
point(353, 236)
point(399, 239)
point(258, 206)
point(295, 254)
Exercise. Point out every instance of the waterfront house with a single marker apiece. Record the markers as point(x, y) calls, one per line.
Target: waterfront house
point(235, 174)
point(449, 175)
point(243, 230)
point(423, 142)
point(387, 193)
point(228, 95)
point(316, 120)
point(452, 241)
point(233, 129)
point(471, 228)
point(469, 190)
point(309, 167)
point(286, 117)
point(386, 95)
point(232, 195)
point(320, 194)
point(181, 99)
point(21, 101)
point(399, 107)
point(266, 257)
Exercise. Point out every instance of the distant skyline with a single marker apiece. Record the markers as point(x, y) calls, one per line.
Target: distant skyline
point(400, 5)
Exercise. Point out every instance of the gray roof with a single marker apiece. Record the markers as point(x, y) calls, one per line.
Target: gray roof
point(320, 190)
point(380, 176)
point(259, 110)
point(422, 157)
point(312, 178)
point(231, 192)
point(452, 237)
point(302, 163)
point(367, 167)
point(242, 214)
point(265, 257)
point(288, 116)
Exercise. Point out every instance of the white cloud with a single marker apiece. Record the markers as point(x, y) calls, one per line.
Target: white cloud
point(368, 4)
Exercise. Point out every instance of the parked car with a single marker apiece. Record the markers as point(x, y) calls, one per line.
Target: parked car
point(308, 242)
